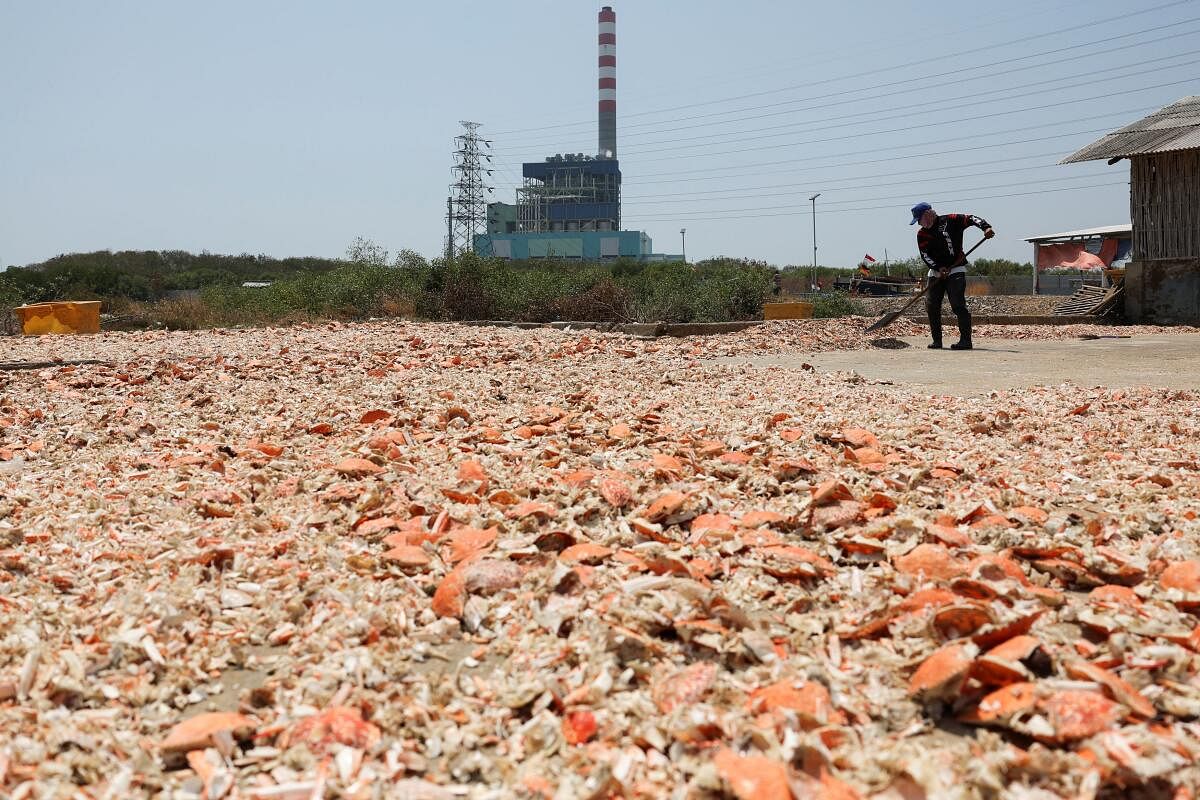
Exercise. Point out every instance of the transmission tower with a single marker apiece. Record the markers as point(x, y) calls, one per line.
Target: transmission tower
point(466, 208)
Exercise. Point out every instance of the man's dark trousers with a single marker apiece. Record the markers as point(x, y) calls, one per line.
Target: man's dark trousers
point(956, 287)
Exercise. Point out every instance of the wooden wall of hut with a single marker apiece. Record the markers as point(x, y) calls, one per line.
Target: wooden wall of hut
point(1165, 205)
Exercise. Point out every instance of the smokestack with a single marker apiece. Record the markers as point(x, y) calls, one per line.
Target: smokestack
point(608, 83)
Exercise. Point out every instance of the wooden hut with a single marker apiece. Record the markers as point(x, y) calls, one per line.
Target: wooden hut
point(1162, 279)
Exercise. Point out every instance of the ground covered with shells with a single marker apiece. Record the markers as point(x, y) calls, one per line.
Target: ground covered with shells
point(429, 561)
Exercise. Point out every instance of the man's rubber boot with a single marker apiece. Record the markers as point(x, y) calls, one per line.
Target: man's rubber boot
point(964, 335)
point(935, 331)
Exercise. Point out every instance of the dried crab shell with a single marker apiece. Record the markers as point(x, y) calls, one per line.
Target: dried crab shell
point(342, 725)
point(830, 492)
point(584, 553)
point(1078, 714)
point(1183, 578)
point(407, 555)
point(665, 507)
point(931, 561)
point(1116, 567)
point(357, 467)
point(1070, 573)
point(997, 567)
point(808, 699)
point(943, 673)
point(974, 589)
point(1004, 663)
point(1003, 704)
point(1122, 691)
point(1118, 596)
point(916, 603)
point(960, 619)
point(196, 733)
point(616, 493)
point(706, 523)
point(788, 562)
point(1003, 631)
point(753, 777)
point(841, 514)
point(684, 687)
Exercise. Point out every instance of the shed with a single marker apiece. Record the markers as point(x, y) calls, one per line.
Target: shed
point(1090, 249)
point(1162, 278)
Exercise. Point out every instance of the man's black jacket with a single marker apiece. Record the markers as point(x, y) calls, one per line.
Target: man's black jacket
point(941, 245)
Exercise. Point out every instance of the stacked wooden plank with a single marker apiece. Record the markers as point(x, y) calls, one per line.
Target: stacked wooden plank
point(1090, 301)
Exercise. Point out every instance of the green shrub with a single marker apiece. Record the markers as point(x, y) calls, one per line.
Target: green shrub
point(835, 304)
point(469, 287)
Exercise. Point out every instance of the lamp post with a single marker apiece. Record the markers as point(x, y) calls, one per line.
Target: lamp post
point(813, 199)
point(683, 242)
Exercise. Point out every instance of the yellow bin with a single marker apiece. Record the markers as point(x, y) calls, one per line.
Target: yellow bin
point(67, 317)
point(787, 311)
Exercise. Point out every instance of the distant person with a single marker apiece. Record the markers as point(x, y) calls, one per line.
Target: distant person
point(940, 242)
point(777, 281)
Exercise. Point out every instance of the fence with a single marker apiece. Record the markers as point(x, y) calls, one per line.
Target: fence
point(1058, 284)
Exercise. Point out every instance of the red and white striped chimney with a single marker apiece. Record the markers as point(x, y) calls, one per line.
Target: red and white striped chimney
point(608, 83)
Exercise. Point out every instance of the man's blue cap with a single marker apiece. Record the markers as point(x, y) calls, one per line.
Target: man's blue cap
point(918, 210)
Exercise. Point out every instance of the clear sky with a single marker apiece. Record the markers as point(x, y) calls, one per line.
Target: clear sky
point(289, 128)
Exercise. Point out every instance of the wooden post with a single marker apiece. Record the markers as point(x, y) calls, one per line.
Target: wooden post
point(1035, 269)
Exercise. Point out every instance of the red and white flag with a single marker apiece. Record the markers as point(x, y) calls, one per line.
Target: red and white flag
point(868, 257)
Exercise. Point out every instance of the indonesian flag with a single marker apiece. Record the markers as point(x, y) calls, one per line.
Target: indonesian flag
point(868, 257)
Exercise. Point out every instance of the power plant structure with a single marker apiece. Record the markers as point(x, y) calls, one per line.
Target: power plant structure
point(569, 206)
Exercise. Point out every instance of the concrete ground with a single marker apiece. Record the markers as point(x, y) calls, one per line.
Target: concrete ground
point(1160, 361)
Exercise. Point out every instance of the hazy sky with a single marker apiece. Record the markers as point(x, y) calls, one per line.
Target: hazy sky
point(289, 128)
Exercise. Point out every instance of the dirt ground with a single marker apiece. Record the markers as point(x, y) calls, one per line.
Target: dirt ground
point(1167, 360)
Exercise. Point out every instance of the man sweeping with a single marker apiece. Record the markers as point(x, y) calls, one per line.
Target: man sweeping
point(940, 242)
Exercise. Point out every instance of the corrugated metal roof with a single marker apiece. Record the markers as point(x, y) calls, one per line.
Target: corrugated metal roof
point(1176, 127)
point(1085, 233)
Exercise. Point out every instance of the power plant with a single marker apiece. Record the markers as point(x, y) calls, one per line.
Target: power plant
point(569, 206)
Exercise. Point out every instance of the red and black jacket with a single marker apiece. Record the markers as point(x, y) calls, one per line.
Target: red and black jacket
point(941, 245)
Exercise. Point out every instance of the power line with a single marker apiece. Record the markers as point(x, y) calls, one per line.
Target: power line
point(874, 114)
point(1056, 155)
point(905, 129)
point(938, 153)
point(840, 164)
point(708, 172)
point(923, 62)
point(908, 83)
point(906, 172)
point(872, 199)
point(822, 56)
point(825, 188)
point(801, 210)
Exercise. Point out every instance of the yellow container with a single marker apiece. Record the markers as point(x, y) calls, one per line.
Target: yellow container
point(66, 317)
point(788, 311)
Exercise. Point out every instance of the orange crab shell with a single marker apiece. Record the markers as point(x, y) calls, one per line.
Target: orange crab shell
point(943, 673)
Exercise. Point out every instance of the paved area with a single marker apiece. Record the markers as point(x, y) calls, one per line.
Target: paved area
point(1166, 361)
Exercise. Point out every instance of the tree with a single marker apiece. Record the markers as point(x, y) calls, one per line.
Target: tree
point(365, 251)
point(411, 259)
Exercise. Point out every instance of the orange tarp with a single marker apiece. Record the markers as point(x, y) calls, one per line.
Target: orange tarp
point(1074, 255)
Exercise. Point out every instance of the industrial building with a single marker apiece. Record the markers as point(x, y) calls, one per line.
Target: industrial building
point(569, 206)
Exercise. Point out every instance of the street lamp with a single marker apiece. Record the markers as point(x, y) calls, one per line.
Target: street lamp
point(813, 199)
point(683, 242)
